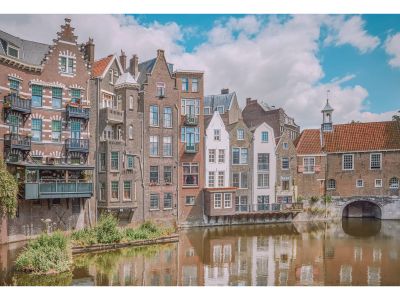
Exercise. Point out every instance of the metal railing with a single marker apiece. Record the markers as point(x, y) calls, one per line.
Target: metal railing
point(16, 103)
point(77, 112)
point(191, 120)
point(58, 188)
point(77, 145)
point(261, 207)
point(191, 147)
point(112, 114)
point(17, 141)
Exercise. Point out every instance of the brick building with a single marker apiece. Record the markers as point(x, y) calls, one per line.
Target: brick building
point(44, 132)
point(191, 144)
point(115, 94)
point(346, 160)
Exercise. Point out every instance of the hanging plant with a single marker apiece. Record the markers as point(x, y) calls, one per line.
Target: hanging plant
point(8, 191)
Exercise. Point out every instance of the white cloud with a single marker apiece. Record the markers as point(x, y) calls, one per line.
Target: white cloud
point(350, 31)
point(275, 61)
point(392, 48)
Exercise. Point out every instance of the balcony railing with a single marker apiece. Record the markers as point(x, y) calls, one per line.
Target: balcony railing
point(77, 145)
point(111, 115)
point(15, 102)
point(77, 112)
point(191, 148)
point(191, 120)
point(58, 189)
point(243, 208)
point(17, 141)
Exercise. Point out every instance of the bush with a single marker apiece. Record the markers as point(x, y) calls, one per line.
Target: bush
point(136, 234)
point(107, 231)
point(85, 236)
point(8, 192)
point(148, 226)
point(46, 254)
point(313, 200)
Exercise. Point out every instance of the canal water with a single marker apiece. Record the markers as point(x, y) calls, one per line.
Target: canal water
point(349, 252)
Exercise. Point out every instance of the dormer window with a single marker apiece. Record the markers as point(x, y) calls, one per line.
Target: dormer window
point(160, 89)
point(220, 109)
point(12, 51)
point(207, 110)
point(67, 65)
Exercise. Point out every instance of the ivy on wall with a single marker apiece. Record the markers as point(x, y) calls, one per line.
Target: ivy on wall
point(8, 191)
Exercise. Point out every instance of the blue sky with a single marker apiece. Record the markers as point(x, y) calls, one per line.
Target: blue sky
point(371, 69)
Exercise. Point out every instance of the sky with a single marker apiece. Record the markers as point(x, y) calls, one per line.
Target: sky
point(289, 61)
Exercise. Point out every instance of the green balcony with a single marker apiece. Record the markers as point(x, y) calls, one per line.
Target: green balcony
point(191, 148)
point(58, 189)
point(191, 120)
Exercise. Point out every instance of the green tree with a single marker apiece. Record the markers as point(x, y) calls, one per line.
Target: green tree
point(8, 191)
point(396, 117)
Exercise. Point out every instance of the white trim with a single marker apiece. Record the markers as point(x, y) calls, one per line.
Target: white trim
point(359, 186)
point(352, 161)
point(379, 186)
point(380, 161)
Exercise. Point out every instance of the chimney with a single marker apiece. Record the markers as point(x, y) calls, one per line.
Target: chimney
point(160, 52)
point(248, 100)
point(224, 91)
point(89, 51)
point(134, 66)
point(122, 60)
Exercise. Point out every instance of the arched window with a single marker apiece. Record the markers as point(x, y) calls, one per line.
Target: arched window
point(331, 184)
point(394, 183)
point(131, 132)
point(131, 102)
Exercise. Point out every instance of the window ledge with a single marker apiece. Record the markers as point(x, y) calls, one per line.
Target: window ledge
point(154, 209)
point(190, 186)
point(167, 208)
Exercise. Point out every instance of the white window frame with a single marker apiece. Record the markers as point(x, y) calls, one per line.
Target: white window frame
point(217, 134)
point(396, 186)
point(312, 166)
point(221, 179)
point(378, 185)
point(192, 202)
point(211, 183)
point(380, 161)
point(208, 109)
point(165, 143)
point(238, 135)
point(219, 201)
point(221, 156)
point(328, 187)
point(130, 132)
point(161, 86)
point(288, 163)
point(14, 48)
point(131, 102)
point(197, 85)
point(227, 202)
point(262, 133)
point(343, 162)
point(211, 155)
point(223, 110)
point(357, 183)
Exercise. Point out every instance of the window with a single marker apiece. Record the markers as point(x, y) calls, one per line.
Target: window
point(211, 155)
point(264, 137)
point(56, 97)
point(263, 162)
point(130, 162)
point(195, 85)
point(236, 180)
point(217, 135)
point(153, 174)
point(13, 122)
point(359, 183)
point(167, 117)
point(131, 102)
point(167, 148)
point(217, 200)
point(75, 96)
point(285, 163)
point(37, 95)
point(227, 200)
point(13, 51)
point(160, 89)
point(240, 134)
point(378, 183)
point(221, 155)
point(190, 174)
point(348, 161)
point(154, 120)
point(243, 180)
point(190, 135)
point(221, 178)
point(56, 131)
point(190, 107)
point(207, 110)
point(375, 161)
point(309, 164)
point(102, 191)
point(285, 182)
point(220, 109)
point(189, 200)
point(167, 174)
point(211, 179)
point(285, 146)
point(394, 183)
point(111, 74)
point(154, 145)
point(167, 200)
point(185, 84)
point(127, 190)
point(114, 189)
point(262, 199)
point(102, 162)
point(263, 180)
point(331, 184)
point(114, 161)
point(14, 86)
point(67, 65)
point(37, 130)
point(239, 156)
point(154, 201)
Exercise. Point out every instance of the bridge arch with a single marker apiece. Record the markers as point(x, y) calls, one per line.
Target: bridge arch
point(362, 209)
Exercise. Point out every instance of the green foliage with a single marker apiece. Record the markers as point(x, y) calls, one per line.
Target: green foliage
point(327, 199)
point(300, 199)
point(86, 236)
point(46, 254)
point(396, 117)
point(22, 279)
point(148, 226)
point(107, 230)
point(8, 191)
point(313, 200)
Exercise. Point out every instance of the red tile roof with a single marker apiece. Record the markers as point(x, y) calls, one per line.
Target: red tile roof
point(363, 137)
point(100, 65)
point(351, 138)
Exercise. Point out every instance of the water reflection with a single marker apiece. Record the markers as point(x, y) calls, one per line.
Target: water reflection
point(357, 252)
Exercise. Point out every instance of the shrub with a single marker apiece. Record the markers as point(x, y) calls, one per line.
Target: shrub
point(327, 199)
point(136, 234)
point(46, 254)
point(8, 191)
point(86, 236)
point(148, 226)
point(313, 200)
point(107, 231)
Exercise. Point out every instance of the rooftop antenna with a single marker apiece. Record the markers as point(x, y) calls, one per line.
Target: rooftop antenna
point(327, 95)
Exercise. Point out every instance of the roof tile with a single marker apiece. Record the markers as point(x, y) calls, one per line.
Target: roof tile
point(100, 65)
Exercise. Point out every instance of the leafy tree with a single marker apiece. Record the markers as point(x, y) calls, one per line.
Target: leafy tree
point(8, 191)
point(396, 117)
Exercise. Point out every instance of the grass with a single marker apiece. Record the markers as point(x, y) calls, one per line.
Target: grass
point(45, 255)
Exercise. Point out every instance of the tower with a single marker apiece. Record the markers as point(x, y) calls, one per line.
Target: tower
point(327, 116)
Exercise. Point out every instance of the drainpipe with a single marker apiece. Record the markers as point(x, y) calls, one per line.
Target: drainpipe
point(142, 163)
point(177, 163)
